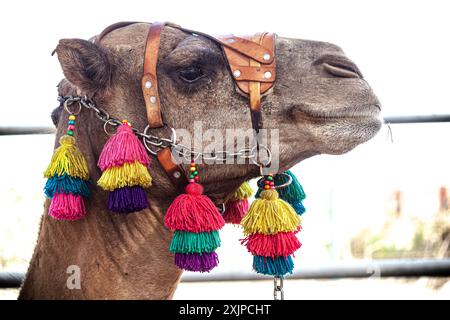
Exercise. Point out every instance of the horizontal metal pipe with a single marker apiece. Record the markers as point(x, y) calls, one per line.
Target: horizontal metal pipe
point(358, 269)
point(5, 131)
point(418, 119)
point(11, 131)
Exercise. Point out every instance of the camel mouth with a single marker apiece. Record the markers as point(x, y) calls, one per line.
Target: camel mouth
point(363, 112)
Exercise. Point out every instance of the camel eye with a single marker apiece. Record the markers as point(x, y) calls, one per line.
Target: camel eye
point(191, 74)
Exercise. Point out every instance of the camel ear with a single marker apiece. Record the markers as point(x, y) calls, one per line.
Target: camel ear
point(85, 65)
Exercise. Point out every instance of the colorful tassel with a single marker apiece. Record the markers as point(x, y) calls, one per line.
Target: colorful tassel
point(124, 163)
point(278, 267)
point(270, 215)
point(67, 176)
point(237, 205)
point(282, 244)
point(271, 225)
point(195, 220)
point(67, 207)
point(293, 193)
point(197, 262)
point(190, 242)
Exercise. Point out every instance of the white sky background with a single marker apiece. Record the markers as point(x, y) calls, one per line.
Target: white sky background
point(402, 47)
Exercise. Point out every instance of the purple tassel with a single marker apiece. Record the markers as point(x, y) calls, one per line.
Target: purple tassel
point(127, 199)
point(199, 262)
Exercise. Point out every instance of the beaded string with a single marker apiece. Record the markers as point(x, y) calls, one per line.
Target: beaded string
point(268, 182)
point(193, 176)
point(71, 126)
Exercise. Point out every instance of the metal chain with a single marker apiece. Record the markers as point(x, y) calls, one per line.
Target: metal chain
point(278, 292)
point(157, 143)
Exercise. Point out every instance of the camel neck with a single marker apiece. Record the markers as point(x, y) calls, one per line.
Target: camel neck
point(113, 256)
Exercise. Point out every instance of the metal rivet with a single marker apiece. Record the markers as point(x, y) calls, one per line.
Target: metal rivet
point(148, 84)
point(237, 73)
point(266, 56)
point(177, 174)
point(230, 40)
point(267, 74)
point(152, 99)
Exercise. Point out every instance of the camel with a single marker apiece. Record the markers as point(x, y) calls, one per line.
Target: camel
point(320, 103)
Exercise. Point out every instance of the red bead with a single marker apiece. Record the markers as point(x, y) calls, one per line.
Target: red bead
point(71, 127)
point(196, 178)
point(191, 180)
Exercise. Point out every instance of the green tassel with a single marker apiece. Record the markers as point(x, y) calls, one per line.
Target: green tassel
point(190, 242)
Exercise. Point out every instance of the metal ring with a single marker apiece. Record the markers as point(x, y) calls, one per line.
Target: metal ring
point(111, 123)
point(255, 159)
point(260, 182)
point(173, 138)
point(66, 107)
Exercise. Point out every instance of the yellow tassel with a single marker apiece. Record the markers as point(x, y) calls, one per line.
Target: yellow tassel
point(243, 192)
point(68, 159)
point(128, 175)
point(270, 215)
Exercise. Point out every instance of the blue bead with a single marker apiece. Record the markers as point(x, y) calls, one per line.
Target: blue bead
point(72, 122)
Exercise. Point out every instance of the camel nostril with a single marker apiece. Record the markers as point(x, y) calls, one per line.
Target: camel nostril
point(340, 71)
point(338, 66)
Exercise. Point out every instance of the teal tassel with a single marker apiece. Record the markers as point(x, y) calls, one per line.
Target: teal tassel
point(66, 184)
point(189, 242)
point(273, 266)
point(298, 207)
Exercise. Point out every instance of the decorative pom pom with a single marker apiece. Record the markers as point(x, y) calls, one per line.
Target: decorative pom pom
point(127, 199)
point(128, 175)
point(189, 242)
point(123, 147)
point(273, 267)
point(66, 184)
point(270, 215)
point(282, 244)
point(193, 212)
point(199, 262)
point(67, 159)
point(67, 207)
point(235, 211)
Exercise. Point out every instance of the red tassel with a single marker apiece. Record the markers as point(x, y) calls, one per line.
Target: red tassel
point(281, 244)
point(193, 212)
point(235, 211)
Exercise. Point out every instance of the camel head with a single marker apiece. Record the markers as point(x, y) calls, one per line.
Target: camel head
point(320, 102)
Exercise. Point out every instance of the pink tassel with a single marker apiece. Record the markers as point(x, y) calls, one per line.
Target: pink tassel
point(67, 207)
point(123, 147)
point(193, 212)
point(282, 244)
point(235, 211)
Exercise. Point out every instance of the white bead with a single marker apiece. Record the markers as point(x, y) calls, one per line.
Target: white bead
point(152, 99)
point(148, 84)
point(237, 73)
point(266, 56)
point(230, 40)
point(177, 174)
point(267, 74)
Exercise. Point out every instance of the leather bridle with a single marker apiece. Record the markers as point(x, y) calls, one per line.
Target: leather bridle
point(251, 61)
